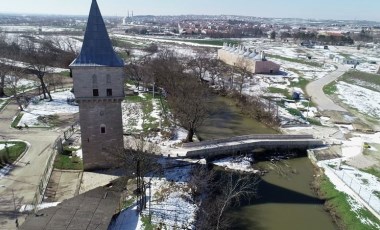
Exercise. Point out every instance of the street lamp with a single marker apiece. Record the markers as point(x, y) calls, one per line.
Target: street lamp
point(308, 107)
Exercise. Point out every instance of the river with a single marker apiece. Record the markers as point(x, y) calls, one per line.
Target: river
point(285, 200)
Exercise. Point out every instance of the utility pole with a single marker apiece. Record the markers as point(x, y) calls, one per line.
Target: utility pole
point(308, 107)
point(150, 199)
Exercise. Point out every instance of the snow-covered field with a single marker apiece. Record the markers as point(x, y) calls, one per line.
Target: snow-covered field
point(27, 65)
point(43, 108)
point(362, 99)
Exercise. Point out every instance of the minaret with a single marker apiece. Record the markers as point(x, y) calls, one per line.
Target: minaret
point(98, 75)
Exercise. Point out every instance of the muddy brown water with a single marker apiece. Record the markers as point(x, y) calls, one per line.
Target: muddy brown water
point(285, 200)
point(228, 121)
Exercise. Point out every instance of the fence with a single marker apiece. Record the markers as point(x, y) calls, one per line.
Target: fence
point(70, 131)
point(57, 148)
point(368, 197)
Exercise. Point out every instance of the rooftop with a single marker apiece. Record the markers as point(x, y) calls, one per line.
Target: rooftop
point(97, 48)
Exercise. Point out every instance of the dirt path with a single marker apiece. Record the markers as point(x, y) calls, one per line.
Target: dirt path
point(315, 90)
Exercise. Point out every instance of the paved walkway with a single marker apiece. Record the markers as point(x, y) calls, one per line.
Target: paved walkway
point(91, 210)
point(315, 90)
point(23, 178)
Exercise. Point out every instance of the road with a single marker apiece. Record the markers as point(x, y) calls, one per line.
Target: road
point(315, 90)
point(23, 178)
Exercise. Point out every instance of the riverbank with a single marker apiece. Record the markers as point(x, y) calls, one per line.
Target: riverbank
point(347, 213)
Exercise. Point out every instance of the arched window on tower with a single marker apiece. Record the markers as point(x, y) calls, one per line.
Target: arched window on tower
point(103, 129)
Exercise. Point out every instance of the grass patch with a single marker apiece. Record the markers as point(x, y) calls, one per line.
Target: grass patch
point(330, 88)
point(146, 102)
point(338, 203)
point(147, 224)
point(10, 154)
point(66, 162)
point(302, 82)
point(347, 56)
point(216, 42)
point(372, 171)
point(314, 121)
point(65, 73)
point(365, 80)
point(307, 103)
point(284, 92)
point(16, 120)
point(300, 61)
point(128, 203)
point(3, 103)
point(294, 112)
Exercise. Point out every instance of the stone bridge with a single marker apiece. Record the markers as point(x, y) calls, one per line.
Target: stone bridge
point(238, 144)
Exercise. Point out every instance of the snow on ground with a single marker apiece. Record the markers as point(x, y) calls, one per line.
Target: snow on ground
point(362, 99)
point(43, 205)
point(79, 153)
point(366, 67)
point(355, 184)
point(239, 164)
point(39, 108)
point(27, 65)
point(132, 116)
point(10, 81)
point(164, 40)
point(5, 170)
point(171, 203)
point(2, 146)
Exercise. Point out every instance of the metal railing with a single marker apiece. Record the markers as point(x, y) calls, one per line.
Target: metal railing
point(248, 137)
point(369, 197)
point(56, 148)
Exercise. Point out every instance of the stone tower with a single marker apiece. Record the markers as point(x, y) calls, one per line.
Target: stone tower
point(98, 75)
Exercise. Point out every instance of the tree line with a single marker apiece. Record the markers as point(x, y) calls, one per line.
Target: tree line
point(28, 56)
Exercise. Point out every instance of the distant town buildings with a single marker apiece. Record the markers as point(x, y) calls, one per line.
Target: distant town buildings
point(256, 62)
point(128, 19)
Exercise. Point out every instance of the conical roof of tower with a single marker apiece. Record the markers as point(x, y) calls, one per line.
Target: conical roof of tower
point(97, 48)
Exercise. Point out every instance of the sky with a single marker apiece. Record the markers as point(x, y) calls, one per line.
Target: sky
point(309, 9)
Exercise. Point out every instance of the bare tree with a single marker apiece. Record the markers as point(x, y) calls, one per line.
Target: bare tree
point(242, 69)
point(225, 73)
point(39, 60)
point(200, 64)
point(190, 104)
point(4, 70)
point(15, 89)
point(214, 69)
point(138, 71)
point(138, 160)
point(218, 192)
point(235, 188)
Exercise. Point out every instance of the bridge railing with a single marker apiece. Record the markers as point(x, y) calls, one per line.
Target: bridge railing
point(247, 137)
point(268, 144)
